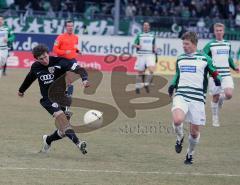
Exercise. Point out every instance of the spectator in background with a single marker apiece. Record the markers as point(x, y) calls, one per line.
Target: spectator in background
point(231, 9)
point(130, 10)
point(84, 30)
point(185, 12)
point(214, 10)
point(237, 19)
point(56, 5)
point(193, 9)
point(21, 4)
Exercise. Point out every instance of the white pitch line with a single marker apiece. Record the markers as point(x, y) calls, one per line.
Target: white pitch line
point(122, 172)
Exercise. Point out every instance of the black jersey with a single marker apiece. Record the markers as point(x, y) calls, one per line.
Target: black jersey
point(46, 75)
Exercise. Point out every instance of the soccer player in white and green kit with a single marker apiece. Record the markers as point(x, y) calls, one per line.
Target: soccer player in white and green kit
point(146, 59)
point(190, 83)
point(6, 38)
point(220, 52)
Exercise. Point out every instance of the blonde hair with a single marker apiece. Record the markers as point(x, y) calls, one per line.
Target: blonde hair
point(218, 24)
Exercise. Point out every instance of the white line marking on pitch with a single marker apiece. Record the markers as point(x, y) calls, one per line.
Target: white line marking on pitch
point(123, 172)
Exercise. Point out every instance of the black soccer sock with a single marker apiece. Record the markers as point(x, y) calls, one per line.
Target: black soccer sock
point(53, 137)
point(4, 68)
point(143, 78)
point(71, 135)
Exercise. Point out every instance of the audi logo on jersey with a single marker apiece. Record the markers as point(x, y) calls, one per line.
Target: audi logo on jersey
point(47, 77)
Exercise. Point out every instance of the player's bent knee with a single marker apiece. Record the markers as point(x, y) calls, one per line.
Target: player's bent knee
point(228, 96)
point(56, 114)
point(62, 122)
point(215, 98)
point(194, 131)
point(178, 120)
point(195, 135)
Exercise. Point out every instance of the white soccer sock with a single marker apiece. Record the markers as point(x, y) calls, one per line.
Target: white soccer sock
point(148, 79)
point(192, 144)
point(214, 108)
point(178, 130)
point(139, 81)
point(222, 97)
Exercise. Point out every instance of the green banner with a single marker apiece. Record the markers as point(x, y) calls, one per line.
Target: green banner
point(56, 26)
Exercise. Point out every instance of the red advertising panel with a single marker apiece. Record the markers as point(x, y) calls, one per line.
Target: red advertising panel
point(24, 59)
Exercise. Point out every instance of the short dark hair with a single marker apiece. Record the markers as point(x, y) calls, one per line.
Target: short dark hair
point(39, 50)
point(68, 21)
point(191, 36)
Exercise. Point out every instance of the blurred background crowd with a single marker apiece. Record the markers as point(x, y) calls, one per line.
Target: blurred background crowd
point(223, 9)
point(162, 14)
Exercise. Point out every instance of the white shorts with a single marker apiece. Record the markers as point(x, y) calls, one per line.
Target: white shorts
point(227, 82)
point(144, 61)
point(3, 56)
point(194, 111)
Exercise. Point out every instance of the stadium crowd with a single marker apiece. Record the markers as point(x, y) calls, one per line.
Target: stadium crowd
point(223, 9)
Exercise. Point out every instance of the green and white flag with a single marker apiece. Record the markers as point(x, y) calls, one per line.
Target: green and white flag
point(6, 3)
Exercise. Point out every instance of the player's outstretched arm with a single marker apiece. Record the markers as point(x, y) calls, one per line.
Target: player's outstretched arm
point(30, 78)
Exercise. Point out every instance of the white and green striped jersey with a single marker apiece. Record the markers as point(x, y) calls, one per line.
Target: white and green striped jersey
point(5, 33)
point(147, 42)
point(191, 78)
point(220, 52)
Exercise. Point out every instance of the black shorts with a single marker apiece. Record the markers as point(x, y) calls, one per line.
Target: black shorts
point(51, 107)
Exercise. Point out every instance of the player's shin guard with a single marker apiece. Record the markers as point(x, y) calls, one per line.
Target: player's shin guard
point(69, 90)
point(192, 143)
point(214, 107)
point(179, 131)
point(215, 110)
point(72, 136)
point(4, 69)
point(221, 100)
point(56, 135)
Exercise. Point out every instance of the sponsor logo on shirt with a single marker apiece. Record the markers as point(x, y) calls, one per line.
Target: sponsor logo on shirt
point(147, 41)
point(2, 34)
point(47, 77)
point(188, 69)
point(51, 69)
point(55, 105)
point(222, 51)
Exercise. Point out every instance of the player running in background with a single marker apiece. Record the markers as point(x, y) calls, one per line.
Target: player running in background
point(238, 58)
point(220, 52)
point(66, 46)
point(145, 45)
point(47, 70)
point(6, 39)
point(190, 82)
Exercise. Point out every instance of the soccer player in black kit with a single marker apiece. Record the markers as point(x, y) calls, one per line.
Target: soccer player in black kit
point(47, 69)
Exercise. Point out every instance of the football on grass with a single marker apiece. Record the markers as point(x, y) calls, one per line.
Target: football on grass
point(93, 118)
